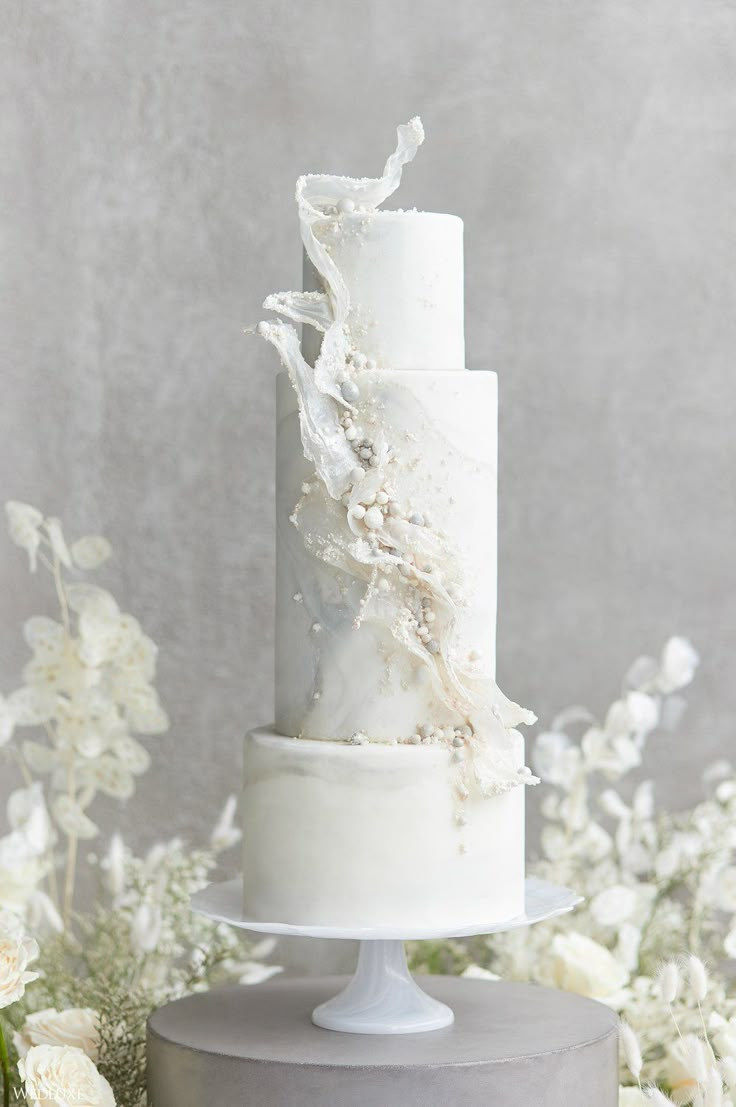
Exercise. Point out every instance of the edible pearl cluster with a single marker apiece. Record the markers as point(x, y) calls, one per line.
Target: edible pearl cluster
point(454, 736)
point(425, 621)
point(375, 507)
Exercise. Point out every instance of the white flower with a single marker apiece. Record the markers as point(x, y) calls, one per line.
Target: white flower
point(131, 754)
point(638, 713)
point(614, 905)
point(477, 972)
point(42, 914)
point(582, 965)
point(63, 1076)
point(20, 876)
point(677, 666)
point(144, 711)
point(145, 928)
point(555, 759)
point(114, 867)
point(90, 552)
point(633, 1097)
point(77, 1026)
point(254, 972)
point(724, 890)
point(32, 706)
point(58, 544)
point(29, 817)
point(17, 951)
point(7, 721)
point(683, 1065)
point(106, 774)
point(225, 834)
point(72, 820)
point(24, 525)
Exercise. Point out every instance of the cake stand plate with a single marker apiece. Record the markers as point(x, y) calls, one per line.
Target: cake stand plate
point(383, 997)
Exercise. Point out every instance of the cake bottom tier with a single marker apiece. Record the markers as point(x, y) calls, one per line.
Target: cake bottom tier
point(368, 836)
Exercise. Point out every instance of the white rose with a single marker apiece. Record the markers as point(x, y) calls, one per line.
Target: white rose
point(17, 951)
point(63, 1076)
point(78, 1027)
point(586, 967)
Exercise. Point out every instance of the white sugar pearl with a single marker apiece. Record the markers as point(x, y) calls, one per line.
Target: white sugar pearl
point(357, 512)
point(350, 391)
point(373, 461)
point(370, 363)
point(368, 500)
point(373, 518)
point(351, 433)
point(394, 508)
point(381, 497)
point(429, 616)
point(346, 205)
point(416, 519)
point(433, 645)
point(366, 453)
point(357, 474)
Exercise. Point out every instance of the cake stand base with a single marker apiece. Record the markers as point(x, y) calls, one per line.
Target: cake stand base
point(514, 1045)
point(382, 997)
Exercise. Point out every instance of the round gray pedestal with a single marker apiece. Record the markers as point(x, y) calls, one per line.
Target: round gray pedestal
point(512, 1045)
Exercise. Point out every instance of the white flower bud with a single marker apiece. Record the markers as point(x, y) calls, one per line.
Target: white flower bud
point(632, 1050)
point(669, 982)
point(698, 978)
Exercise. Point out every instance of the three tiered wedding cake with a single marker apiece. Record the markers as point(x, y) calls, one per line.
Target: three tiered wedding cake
point(389, 791)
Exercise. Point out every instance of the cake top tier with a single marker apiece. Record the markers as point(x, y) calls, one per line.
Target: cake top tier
point(403, 272)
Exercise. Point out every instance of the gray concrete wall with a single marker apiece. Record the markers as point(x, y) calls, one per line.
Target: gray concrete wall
point(149, 153)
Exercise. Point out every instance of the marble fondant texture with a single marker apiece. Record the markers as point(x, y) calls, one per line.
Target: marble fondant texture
point(335, 679)
point(360, 836)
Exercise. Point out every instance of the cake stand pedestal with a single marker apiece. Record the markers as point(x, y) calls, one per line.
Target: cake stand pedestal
point(382, 997)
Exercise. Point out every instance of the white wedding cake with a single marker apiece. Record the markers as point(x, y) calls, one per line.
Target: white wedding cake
point(389, 791)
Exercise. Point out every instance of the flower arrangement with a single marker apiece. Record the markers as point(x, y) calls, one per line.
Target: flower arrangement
point(660, 895)
point(653, 939)
point(76, 987)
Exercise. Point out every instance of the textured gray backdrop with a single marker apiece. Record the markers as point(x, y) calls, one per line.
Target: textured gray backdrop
point(149, 153)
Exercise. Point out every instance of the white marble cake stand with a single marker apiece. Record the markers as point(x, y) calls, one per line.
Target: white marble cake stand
point(382, 997)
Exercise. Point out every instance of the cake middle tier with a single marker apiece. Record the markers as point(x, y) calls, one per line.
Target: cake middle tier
point(336, 680)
